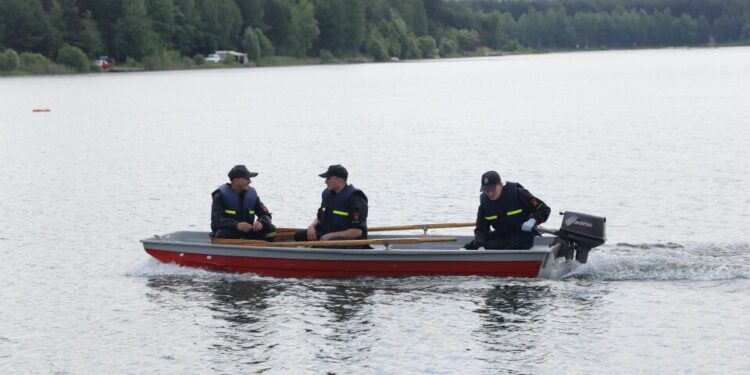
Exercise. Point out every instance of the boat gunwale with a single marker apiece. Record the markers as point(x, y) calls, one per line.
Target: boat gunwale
point(334, 251)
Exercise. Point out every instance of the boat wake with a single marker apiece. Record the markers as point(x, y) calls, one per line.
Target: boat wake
point(152, 267)
point(660, 261)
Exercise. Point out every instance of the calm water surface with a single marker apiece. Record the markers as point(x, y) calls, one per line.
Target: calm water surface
point(654, 140)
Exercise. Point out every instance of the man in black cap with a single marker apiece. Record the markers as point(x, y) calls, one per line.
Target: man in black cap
point(511, 210)
point(237, 211)
point(343, 211)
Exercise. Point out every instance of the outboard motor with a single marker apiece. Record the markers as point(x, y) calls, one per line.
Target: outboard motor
point(578, 234)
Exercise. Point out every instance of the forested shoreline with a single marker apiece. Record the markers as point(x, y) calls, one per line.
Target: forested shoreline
point(59, 36)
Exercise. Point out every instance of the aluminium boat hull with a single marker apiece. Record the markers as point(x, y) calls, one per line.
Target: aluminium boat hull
point(194, 249)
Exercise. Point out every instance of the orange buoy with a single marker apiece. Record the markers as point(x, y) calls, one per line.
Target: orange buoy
point(40, 110)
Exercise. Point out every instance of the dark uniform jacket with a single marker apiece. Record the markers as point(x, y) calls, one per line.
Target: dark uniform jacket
point(506, 215)
point(222, 217)
point(342, 211)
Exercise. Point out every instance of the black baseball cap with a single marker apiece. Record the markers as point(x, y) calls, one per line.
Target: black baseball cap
point(240, 171)
point(336, 170)
point(489, 180)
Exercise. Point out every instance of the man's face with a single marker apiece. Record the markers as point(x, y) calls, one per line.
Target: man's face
point(334, 183)
point(495, 192)
point(241, 183)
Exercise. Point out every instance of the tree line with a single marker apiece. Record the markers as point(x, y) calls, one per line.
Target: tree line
point(74, 31)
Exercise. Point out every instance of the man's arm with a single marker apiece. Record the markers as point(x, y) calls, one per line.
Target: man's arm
point(261, 211)
point(482, 229)
point(538, 209)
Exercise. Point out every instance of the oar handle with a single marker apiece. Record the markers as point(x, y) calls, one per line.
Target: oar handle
point(421, 226)
point(547, 231)
point(287, 231)
point(388, 241)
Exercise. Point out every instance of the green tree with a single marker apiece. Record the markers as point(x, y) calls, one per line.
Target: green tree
point(341, 24)
point(412, 50)
point(26, 26)
point(220, 26)
point(58, 27)
point(414, 15)
point(162, 15)
point(504, 31)
point(252, 13)
point(727, 28)
point(134, 37)
point(9, 60)
point(73, 57)
point(266, 47)
point(376, 46)
point(251, 45)
point(531, 29)
point(278, 19)
point(448, 47)
point(187, 24)
point(35, 63)
point(89, 38)
point(303, 28)
point(106, 13)
point(468, 40)
point(427, 46)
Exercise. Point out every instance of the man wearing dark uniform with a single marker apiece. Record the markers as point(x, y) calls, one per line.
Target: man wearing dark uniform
point(343, 211)
point(237, 211)
point(511, 210)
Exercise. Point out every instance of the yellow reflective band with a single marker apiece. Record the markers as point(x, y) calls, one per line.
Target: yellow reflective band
point(323, 209)
point(251, 212)
point(231, 212)
point(516, 212)
point(490, 217)
point(342, 213)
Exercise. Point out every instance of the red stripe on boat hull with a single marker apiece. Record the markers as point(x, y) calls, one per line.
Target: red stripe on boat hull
point(277, 267)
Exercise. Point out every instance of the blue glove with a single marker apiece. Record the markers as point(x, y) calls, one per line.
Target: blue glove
point(528, 225)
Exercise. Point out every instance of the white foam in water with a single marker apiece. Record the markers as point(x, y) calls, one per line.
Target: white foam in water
point(153, 267)
point(670, 261)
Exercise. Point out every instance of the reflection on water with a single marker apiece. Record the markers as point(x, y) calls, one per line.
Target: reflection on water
point(507, 305)
point(242, 302)
point(268, 323)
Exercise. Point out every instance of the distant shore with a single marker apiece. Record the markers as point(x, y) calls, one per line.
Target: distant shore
point(281, 61)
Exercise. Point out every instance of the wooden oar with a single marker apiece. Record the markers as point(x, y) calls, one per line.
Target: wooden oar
point(384, 241)
point(286, 231)
point(421, 226)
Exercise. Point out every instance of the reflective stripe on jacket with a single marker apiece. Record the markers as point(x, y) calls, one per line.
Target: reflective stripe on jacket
point(334, 211)
point(506, 215)
point(232, 207)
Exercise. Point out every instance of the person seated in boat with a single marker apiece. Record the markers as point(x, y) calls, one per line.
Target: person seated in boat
point(343, 211)
point(237, 211)
point(511, 210)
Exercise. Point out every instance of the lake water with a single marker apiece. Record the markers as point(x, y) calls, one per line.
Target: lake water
point(655, 140)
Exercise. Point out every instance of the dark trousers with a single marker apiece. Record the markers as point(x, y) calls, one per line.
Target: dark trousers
point(267, 233)
point(300, 235)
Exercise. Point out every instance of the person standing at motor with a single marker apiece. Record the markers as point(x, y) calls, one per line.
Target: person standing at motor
point(343, 211)
point(511, 210)
point(237, 211)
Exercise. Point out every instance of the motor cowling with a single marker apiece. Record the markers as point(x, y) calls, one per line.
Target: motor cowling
point(579, 233)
